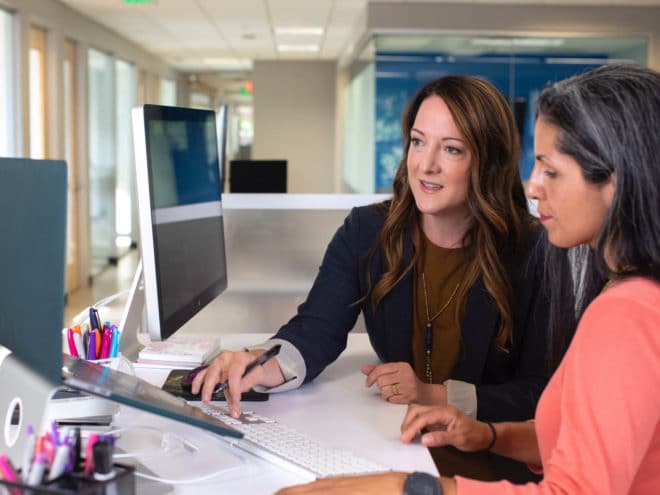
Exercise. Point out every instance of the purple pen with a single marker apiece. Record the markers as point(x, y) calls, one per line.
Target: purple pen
point(55, 434)
point(91, 353)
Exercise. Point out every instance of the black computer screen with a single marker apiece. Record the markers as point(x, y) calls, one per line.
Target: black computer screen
point(180, 207)
point(257, 176)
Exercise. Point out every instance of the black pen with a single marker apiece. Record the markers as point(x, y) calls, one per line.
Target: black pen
point(261, 360)
point(94, 319)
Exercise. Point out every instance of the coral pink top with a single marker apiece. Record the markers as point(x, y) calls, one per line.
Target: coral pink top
point(597, 422)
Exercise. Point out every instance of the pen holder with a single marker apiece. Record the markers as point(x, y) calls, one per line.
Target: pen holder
point(119, 363)
point(122, 483)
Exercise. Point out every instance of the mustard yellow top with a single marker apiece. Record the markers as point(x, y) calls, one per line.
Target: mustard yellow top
point(443, 269)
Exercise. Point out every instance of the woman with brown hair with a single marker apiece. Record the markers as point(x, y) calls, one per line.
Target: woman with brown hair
point(447, 273)
point(597, 425)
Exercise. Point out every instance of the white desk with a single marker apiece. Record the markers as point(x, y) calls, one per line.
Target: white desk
point(336, 409)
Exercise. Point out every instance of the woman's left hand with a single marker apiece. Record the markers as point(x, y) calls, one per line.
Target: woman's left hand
point(399, 384)
point(376, 484)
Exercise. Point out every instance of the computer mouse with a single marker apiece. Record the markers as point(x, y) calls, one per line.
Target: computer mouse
point(187, 379)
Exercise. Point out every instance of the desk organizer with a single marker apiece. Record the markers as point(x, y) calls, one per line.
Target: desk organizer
point(123, 483)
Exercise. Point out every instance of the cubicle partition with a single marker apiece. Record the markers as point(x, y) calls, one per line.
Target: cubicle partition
point(274, 244)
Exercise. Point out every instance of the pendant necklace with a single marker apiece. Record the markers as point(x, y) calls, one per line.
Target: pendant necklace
point(429, 326)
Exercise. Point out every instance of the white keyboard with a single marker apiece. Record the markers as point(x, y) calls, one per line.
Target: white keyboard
point(288, 448)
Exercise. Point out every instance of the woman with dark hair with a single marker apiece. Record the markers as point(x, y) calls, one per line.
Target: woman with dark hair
point(597, 427)
point(447, 273)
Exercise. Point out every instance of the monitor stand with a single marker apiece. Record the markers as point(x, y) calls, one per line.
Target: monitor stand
point(133, 322)
point(28, 391)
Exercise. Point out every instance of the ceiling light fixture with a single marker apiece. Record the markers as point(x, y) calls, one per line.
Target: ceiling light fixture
point(299, 31)
point(298, 48)
point(533, 42)
point(227, 63)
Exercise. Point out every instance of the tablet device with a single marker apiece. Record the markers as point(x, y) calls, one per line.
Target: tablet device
point(174, 386)
point(132, 391)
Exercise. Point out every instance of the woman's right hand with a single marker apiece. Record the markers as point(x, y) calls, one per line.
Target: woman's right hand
point(445, 425)
point(230, 366)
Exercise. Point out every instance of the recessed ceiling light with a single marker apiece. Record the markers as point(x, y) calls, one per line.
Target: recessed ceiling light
point(534, 42)
point(298, 48)
point(227, 63)
point(299, 31)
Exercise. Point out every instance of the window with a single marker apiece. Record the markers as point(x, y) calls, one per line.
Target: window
point(70, 155)
point(125, 100)
point(167, 92)
point(7, 93)
point(37, 96)
point(102, 162)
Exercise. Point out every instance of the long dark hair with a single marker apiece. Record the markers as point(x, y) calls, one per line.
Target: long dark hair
point(608, 121)
point(496, 199)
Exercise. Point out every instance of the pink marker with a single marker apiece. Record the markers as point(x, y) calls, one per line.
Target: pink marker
point(72, 344)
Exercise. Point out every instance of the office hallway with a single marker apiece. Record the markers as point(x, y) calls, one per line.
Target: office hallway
point(111, 280)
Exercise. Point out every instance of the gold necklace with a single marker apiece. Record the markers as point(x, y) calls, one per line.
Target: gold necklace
point(429, 327)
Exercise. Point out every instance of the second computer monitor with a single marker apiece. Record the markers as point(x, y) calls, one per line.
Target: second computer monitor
point(257, 176)
point(179, 185)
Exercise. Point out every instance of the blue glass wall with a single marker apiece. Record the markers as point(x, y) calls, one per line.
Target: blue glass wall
point(518, 77)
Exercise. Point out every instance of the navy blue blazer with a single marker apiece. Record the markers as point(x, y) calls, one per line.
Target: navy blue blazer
point(508, 384)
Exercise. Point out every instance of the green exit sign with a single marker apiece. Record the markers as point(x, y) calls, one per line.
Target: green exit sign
point(138, 1)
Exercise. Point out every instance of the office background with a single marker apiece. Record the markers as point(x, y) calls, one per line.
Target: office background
point(72, 69)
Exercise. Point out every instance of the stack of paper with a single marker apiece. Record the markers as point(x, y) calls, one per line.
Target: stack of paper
point(179, 351)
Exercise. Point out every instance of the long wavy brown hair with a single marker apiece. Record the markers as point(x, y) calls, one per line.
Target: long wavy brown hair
point(495, 199)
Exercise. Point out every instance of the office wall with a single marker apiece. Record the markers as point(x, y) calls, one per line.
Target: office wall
point(517, 19)
point(294, 118)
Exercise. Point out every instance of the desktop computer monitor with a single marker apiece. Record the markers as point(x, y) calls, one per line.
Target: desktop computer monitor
point(257, 176)
point(179, 182)
point(32, 260)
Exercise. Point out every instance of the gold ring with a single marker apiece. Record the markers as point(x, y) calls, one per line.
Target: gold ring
point(395, 388)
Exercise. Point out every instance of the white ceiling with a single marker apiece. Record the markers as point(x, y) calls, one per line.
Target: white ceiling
point(210, 35)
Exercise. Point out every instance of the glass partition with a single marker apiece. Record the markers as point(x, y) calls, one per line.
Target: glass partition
point(519, 66)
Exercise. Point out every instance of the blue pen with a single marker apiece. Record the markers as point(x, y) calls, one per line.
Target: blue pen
point(114, 347)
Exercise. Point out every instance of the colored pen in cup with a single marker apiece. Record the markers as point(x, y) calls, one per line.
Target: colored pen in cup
point(94, 319)
point(106, 342)
point(28, 453)
point(91, 351)
point(102, 452)
point(37, 470)
point(88, 469)
point(114, 348)
point(260, 361)
point(6, 469)
point(60, 461)
point(73, 350)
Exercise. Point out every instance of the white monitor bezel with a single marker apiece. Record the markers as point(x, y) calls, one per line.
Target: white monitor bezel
point(151, 318)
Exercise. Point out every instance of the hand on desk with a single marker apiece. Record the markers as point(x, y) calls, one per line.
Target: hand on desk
point(399, 384)
point(445, 425)
point(230, 366)
point(378, 484)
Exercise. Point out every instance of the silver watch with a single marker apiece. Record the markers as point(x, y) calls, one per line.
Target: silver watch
point(419, 483)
